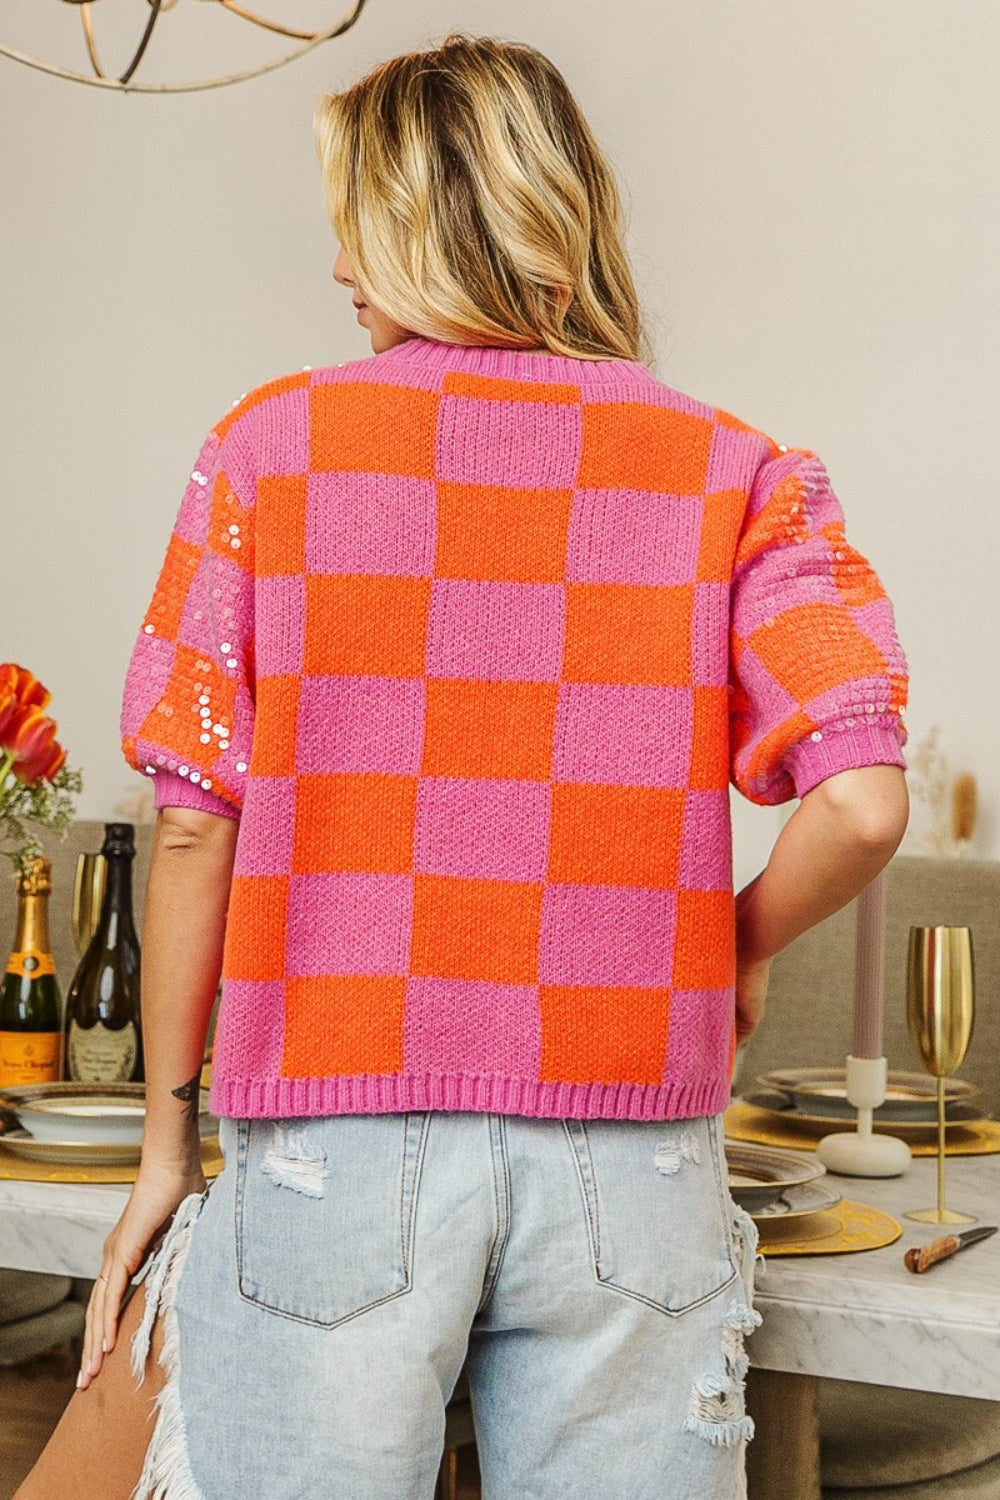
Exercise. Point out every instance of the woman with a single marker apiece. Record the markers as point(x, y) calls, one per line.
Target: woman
point(453, 656)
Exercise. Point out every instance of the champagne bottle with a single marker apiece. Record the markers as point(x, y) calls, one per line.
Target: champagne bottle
point(30, 1006)
point(103, 1023)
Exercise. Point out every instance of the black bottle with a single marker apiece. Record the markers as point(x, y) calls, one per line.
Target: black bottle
point(103, 1022)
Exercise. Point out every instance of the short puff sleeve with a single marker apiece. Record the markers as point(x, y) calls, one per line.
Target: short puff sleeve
point(188, 706)
point(818, 679)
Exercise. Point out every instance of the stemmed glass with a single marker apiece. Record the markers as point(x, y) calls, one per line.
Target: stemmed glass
point(940, 1005)
point(88, 893)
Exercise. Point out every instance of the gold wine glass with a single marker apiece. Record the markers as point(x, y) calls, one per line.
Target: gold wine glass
point(88, 893)
point(940, 1005)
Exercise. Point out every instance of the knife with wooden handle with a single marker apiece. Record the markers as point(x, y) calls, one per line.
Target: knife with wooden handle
point(942, 1249)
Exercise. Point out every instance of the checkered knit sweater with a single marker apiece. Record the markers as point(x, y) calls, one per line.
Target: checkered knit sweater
point(472, 641)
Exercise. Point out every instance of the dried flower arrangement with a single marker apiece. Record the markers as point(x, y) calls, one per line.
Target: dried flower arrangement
point(951, 802)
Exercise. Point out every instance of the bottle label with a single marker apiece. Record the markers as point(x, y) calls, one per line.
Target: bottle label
point(31, 963)
point(97, 1055)
point(29, 1057)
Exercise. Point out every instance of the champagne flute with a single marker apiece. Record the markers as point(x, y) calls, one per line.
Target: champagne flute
point(88, 894)
point(940, 1005)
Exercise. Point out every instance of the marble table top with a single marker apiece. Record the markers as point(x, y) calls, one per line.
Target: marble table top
point(57, 1227)
point(852, 1317)
point(865, 1317)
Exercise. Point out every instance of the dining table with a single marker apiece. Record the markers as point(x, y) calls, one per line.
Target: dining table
point(865, 1317)
point(860, 1317)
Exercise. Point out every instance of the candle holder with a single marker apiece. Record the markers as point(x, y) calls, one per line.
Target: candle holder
point(862, 1153)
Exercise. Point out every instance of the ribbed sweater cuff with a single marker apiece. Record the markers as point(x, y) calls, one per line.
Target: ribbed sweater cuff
point(174, 791)
point(843, 750)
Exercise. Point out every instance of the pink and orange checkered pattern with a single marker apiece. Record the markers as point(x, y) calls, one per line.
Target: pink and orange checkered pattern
point(473, 641)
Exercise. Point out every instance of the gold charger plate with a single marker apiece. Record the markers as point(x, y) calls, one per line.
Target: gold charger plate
point(14, 1168)
point(745, 1122)
point(842, 1230)
point(799, 1232)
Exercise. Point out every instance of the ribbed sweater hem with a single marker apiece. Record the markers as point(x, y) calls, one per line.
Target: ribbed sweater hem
point(382, 1093)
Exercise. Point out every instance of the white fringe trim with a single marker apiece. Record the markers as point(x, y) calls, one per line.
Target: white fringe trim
point(166, 1473)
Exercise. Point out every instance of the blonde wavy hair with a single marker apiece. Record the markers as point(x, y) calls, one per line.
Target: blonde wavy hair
point(475, 206)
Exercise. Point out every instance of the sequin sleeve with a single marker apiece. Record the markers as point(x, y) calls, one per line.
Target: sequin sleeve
point(188, 707)
point(818, 678)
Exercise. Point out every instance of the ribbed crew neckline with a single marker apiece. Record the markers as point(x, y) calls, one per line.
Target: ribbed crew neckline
point(516, 364)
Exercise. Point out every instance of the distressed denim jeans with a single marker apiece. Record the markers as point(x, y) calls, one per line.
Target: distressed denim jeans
point(593, 1277)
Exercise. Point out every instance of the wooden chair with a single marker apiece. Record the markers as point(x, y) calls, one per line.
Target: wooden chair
point(459, 1432)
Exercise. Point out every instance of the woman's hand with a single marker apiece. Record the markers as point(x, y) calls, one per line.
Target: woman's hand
point(752, 969)
point(157, 1192)
point(751, 993)
point(182, 940)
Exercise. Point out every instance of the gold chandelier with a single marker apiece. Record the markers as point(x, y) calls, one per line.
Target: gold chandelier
point(306, 41)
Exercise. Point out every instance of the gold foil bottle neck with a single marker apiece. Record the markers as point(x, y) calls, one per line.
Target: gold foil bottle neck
point(36, 880)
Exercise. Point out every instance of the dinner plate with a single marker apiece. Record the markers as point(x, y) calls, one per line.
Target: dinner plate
point(774, 1233)
point(780, 1105)
point(910, 1097)
point(71, 1153)
point(65, 1114)
point(797, 1203)
point(760, 1175)
point(84, 1153)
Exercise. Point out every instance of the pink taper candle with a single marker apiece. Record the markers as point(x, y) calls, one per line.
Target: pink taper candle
point(869, 966)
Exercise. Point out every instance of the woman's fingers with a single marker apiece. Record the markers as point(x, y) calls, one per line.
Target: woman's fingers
point(102, 1310)
point(144, 1219)
point(751, 995)
point(114, 1292)
point(103, 1313)
point(90, 1364)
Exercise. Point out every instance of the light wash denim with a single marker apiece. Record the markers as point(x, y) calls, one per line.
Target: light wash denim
point(593, 1277)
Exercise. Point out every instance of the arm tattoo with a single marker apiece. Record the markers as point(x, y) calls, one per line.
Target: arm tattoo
point(188, 1095)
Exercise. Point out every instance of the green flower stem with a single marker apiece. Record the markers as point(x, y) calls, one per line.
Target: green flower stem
point(47, 803)
point(5, 768)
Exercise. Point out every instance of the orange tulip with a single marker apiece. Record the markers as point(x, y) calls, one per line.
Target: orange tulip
point(27, 735)
point(27, 732)
point(19, 688)
point(43, 767)
point(9, 703)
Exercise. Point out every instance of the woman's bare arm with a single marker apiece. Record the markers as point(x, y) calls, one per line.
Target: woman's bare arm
point(840, 836)
point(183, 933)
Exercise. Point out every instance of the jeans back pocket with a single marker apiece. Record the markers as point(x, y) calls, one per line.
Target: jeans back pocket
point(324, 1212)
point(656, 1196)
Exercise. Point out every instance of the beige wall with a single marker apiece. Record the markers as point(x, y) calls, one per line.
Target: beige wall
point(814, 226)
